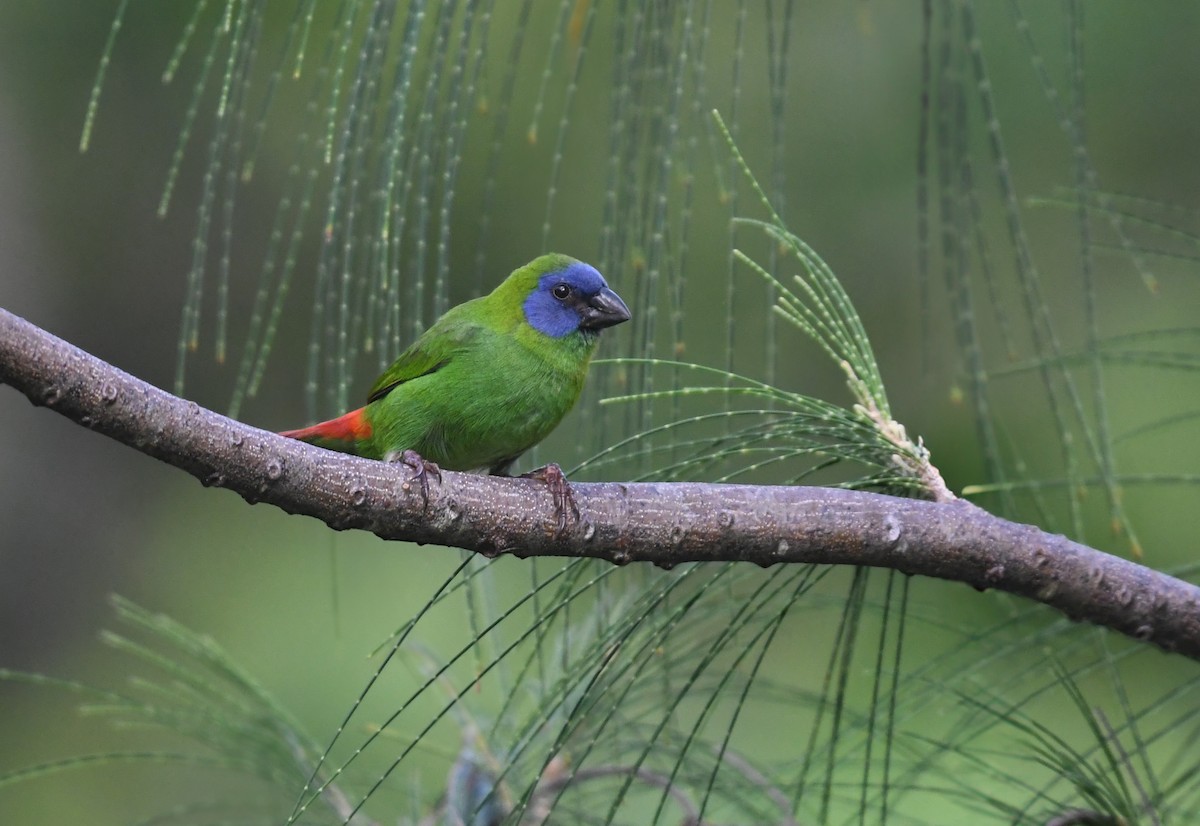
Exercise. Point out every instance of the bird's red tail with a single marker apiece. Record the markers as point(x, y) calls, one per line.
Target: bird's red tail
point(342, 433)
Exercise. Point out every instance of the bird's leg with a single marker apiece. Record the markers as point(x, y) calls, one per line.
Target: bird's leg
point(421, 470)
point(560, 489)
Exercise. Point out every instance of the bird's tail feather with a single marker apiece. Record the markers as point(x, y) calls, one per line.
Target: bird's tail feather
point(343, 433)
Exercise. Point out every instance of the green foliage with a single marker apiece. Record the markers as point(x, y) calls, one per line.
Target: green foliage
point(800, 432)
point(185, 690)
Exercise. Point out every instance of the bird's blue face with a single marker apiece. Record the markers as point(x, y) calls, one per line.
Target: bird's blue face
point(571, 299)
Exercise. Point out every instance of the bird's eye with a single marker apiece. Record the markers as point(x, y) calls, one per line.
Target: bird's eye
point(561, 291)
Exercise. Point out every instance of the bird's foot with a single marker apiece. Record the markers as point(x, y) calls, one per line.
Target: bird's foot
point(560, 489)
point(421, 470)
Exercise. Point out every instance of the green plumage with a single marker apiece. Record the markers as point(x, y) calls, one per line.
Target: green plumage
point(485, 383)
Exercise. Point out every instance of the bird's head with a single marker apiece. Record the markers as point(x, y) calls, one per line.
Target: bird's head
point(569, 296)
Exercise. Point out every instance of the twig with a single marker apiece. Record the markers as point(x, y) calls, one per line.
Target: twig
point(1083, 817)
point(691, 812)
point(748, 771)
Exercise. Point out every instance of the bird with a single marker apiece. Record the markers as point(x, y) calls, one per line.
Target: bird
point(488, 380)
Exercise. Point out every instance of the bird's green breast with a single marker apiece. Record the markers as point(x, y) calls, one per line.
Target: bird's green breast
point(497, 397)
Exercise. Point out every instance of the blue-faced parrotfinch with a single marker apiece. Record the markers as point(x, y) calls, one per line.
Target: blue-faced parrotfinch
point(488, 380)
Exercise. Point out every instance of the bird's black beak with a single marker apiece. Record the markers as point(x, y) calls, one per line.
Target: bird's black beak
point(604, 309)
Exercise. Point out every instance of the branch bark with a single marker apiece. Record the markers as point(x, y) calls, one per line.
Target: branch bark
point(662, 523)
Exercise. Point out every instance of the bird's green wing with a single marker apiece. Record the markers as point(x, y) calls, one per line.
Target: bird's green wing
point(432, 351)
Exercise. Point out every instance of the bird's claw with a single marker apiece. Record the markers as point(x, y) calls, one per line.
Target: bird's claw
point(421, 469)
point(560, 489)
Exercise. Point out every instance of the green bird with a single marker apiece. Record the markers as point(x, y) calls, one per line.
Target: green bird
point(488, 380)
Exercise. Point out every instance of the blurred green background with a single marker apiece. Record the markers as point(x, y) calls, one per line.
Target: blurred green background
point(83, 254)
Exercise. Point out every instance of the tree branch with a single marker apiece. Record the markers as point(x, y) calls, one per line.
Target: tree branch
point(663, 523)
